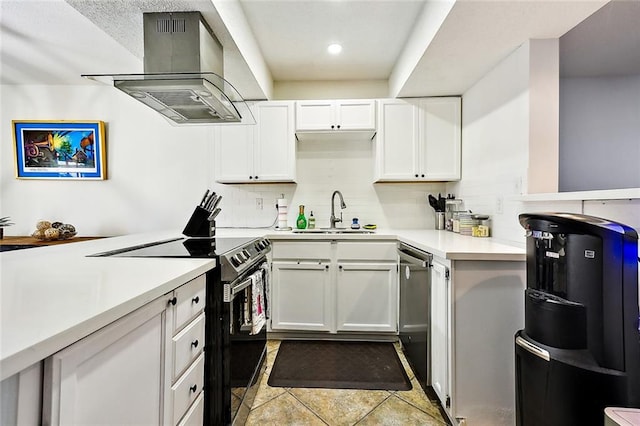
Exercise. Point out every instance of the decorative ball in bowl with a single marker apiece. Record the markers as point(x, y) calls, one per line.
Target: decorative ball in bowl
point(51, 231)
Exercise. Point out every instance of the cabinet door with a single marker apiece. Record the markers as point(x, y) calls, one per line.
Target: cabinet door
point(300, 296)
point(367, 297)
point(440, 138)
point(440, 332)
point(315, 115)
point(113, 376)
point(356, 114)
point(234, 153)
point(397, 141)
point(274, 149)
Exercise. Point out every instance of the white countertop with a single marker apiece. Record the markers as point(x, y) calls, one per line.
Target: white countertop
point(51, 297)
point(447, 245)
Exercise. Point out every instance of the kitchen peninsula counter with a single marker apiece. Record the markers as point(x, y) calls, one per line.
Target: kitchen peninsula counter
point(51, 297)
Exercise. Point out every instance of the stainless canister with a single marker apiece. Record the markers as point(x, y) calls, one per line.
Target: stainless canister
point(439, 220)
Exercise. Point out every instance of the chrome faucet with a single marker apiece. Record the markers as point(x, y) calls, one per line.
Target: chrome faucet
point(333, 218)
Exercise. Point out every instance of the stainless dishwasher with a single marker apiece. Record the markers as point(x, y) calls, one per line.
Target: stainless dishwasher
point(415, 310)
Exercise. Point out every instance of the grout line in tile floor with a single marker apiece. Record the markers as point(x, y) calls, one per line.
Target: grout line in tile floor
point(338, 407)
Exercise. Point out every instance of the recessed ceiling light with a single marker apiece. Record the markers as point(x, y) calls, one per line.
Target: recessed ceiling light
point(334, 49)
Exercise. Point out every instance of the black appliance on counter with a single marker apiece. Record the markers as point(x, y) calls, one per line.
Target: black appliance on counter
point(415, 312)
point(234, 355)
point(580, 349)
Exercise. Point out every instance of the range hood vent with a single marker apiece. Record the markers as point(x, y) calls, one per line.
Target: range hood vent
point(183, 73)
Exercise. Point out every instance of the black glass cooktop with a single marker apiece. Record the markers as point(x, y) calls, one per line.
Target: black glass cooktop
point(181, 247)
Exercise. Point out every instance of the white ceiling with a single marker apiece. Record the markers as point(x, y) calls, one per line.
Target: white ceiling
point(54, 41)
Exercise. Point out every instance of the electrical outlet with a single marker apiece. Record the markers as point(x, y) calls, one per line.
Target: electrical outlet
point(258, 203)
point(499, 205)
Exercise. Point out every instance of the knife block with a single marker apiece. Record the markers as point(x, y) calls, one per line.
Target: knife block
point(199, 224)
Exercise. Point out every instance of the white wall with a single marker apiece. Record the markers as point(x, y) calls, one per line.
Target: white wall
point(495, 154)
point(158, 172)
point(599, 133)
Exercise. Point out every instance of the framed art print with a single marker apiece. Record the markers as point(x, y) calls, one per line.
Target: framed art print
point(59, 150)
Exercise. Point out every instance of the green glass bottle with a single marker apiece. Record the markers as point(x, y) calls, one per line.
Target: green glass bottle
point(301, 222)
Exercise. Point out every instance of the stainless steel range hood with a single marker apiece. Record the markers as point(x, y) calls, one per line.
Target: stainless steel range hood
point(183, 73)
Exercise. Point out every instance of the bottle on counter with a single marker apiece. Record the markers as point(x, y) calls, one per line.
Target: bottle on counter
point(355, 224)
point(312, 221)
point(301, 222)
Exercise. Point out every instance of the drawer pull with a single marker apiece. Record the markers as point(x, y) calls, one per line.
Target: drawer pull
point(195, 300)
point(173, 301)
point(195, 343)
point(194, 388)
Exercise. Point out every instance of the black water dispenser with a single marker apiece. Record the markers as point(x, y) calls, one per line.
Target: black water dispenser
point(579, 351)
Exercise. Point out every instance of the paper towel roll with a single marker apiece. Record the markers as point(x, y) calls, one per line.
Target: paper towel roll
point(282, 213)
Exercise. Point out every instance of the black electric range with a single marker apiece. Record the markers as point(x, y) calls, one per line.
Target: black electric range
point(234, 358)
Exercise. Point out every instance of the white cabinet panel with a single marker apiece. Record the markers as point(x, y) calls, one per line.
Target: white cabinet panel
point(195, 415)
point(315, 115)
point(233, 153)
point(356, 114)
point(188, 388)
point(112, 376)
point(366, 297)
point(440, 332)
point(397, 142)
point(339, 286)
point(328, 115)
point(274, 145)
point(264, 152)
point(190, 300)
point(300, 296)
point(187, 345)
point(418, 140)
point(440, 128)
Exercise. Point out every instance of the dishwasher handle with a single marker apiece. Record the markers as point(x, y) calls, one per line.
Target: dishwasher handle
point(424, 262)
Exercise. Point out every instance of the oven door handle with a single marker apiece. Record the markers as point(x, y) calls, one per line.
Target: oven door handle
point(238, 288)
point(230, 290)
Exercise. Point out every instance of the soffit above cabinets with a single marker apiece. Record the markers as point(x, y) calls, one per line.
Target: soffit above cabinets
point(382, 40)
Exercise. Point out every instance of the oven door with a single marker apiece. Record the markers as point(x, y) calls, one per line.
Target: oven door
point(247, 343)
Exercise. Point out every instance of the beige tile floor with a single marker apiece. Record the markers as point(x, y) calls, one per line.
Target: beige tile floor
point(301, 406)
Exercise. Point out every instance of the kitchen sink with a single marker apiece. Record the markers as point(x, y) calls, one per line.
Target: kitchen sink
point(332, 231)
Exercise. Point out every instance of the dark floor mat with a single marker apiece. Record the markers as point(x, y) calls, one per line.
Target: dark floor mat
point(338, 365)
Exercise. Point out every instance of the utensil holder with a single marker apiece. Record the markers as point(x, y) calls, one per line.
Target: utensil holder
point(199, 224)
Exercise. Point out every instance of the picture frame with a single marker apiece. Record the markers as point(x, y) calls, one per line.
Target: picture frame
point(64, 150)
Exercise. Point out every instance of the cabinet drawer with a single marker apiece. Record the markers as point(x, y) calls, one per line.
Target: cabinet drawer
point(367, 251)
point(195, 415)
point(190, 301)
point(187, 345)
point(307, 250)
point(187, 388)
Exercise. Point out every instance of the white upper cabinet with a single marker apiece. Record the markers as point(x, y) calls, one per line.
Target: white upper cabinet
point(357, 116)
point(418, 140)
point(264, 152)
point(440, 138)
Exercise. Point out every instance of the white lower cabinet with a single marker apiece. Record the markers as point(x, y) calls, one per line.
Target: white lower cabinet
point(301, 297)
point(147, 368)
point(366, 296)
point(334, 286)
point(113, 376)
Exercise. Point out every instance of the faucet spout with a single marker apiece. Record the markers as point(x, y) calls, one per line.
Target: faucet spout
point(333, 219)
